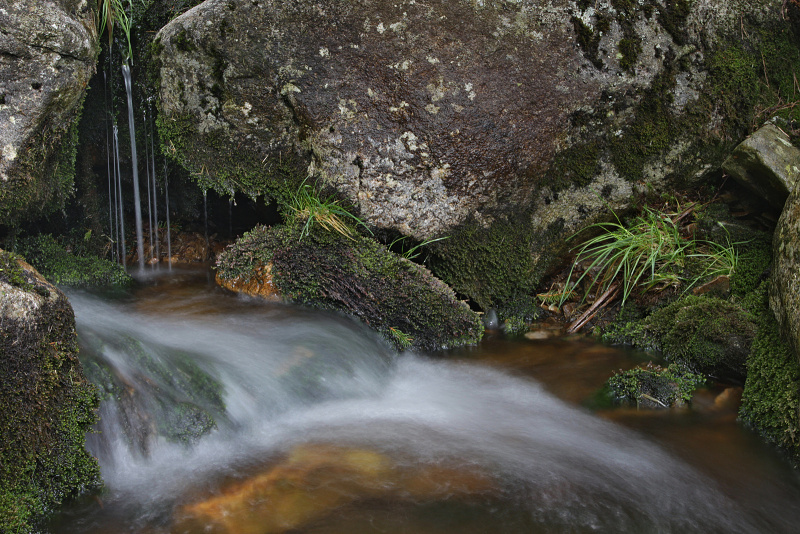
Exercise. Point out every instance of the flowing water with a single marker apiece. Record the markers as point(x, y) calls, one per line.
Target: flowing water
point(319, 427)
point(137, 203)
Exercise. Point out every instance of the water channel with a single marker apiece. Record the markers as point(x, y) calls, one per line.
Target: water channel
point(319, 428)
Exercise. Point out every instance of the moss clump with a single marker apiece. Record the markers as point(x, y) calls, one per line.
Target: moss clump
point(63, 268)
point(706, 335)
point(630, 50)
point(46, 404)
point(495, 266)
point(654, 386)
point(771, 398)
point(360, 277)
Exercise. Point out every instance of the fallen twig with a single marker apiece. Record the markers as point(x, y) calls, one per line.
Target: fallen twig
point(604, 299)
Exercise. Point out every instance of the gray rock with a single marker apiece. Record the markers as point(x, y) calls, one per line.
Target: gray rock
point(784, 297)
point(48, 51)
point(767, 163)
point(507, 124)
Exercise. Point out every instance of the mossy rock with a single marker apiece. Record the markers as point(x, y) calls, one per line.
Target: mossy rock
point(360, 277)
point(64, 268)
point(46, 403)
point(653, 386)
point(771, 398)
point(705, 334)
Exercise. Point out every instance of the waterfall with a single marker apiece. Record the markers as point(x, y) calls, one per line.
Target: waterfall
point(169, 230)
point(150, 194)
point(123, 252)
point(126, 73)
point(155, 188)
point(205, 221)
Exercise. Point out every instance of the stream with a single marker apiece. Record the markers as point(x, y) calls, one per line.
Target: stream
point(227, 415)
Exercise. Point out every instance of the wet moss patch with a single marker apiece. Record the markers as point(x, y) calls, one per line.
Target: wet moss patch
point(394, 296)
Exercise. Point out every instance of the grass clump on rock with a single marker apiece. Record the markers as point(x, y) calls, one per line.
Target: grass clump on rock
point(356, 275)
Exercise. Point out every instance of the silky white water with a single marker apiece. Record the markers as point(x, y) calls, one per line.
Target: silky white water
point(289, 376)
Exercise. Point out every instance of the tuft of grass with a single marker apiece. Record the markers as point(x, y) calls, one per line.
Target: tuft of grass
point(650, 254)
point(414, 251)
point(111, 13)
point(326, 212)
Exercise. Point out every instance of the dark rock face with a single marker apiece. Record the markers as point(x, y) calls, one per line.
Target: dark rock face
point(453, 117)
point(47, 55)
point(46, 404)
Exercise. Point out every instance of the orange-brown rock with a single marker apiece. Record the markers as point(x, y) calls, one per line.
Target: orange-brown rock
point(313, 480)
point(258, 285)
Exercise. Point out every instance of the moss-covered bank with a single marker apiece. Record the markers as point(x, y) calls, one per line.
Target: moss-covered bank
point(358, 276)
point(54, 262)
point(46, 404)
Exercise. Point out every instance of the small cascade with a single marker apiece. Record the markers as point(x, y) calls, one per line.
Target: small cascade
point(109, 157)
point(169, 230)
point(126, 73)
point(123, 251)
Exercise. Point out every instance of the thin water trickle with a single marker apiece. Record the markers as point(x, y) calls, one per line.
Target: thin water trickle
point(150, 193)
point(123, 251)
point(155, 188)
point(169, 230)
point(137, 207)
point(324, 429)
point(205, 223)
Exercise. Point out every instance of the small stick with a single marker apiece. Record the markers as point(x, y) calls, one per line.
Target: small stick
point(598, 305)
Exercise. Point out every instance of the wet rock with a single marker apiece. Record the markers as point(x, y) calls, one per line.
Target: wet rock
point(259, 284)
point(46, 404)
point(48, 51)
point(767, 163)
point(653, 386)
point(356, 275)
point(507, 126)
point(314, 480)
point(703, 334)
point(784, 294)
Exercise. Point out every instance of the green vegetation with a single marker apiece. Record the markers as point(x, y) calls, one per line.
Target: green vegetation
point(111, 13)
point(61, 267)
point(649, 254)
point(655, 386)
point(704, 334)
point(46, 405)
point(309, 206)
point(771, 398)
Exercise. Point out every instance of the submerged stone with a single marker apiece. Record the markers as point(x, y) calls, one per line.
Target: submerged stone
point(314, 480)
point(767, 163)
point(359, 276)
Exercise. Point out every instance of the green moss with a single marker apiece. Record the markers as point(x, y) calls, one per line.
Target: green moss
point(672, 16)
point(494, 266)
point(771, 399)
point(630, 50)
point(63, 268)
point(706, 335)
point(45, 172)
point(588, 40)
point(360, 277)
point(46, 407)
point(575, 166)
point(214, 165)
point(653, 386)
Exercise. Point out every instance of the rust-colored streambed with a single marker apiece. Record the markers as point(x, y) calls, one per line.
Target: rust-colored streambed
point(227, 415)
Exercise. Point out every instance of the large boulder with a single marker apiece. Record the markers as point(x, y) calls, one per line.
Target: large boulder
point(507, 125)
point(767, 163)
point(48, 50)
point(46, 404)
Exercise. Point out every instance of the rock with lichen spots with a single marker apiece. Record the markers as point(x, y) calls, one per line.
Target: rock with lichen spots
point(48, 51)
